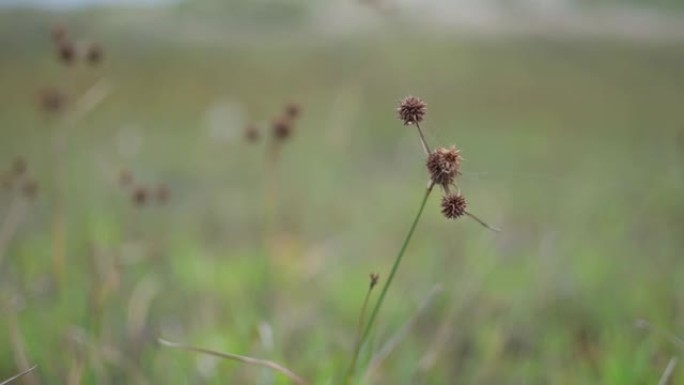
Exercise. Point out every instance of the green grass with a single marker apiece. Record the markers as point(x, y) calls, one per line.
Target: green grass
point(574, 148)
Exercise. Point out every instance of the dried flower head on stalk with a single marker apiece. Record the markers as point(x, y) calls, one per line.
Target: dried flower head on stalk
point(412, 110)
point(453, 206)
point(139, 195)
point(282, 128)
point(444, 165)
point(66, 51)
point(292, 110)
point(374, 278)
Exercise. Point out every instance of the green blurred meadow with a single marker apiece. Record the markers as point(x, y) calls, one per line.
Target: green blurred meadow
point(574, 147)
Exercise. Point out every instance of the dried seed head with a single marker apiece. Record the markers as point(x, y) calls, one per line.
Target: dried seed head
point(374, 278)
point(59, 33)
point(30, 188)
point(52, 100)
point(444, 166)
point(282, 128)
point(411, 110)
point(139, 196)
point(292, 110)
point(162, 194)
point(19, 166)
point(94, 54)
point(125, 178)
point(252, 133)
point(66, 51)
point(453, 206)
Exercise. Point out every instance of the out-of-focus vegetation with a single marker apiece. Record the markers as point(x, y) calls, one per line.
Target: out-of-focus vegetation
point(575, 148)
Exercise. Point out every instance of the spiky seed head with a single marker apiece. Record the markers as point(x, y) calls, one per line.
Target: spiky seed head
point(252, 133)
point(94, 54)
point(162, 194)
point(282, 128)
point(52, 100)
point(30, 188)
point(444, 165)
point(374, 278)
point(412, 110)
point(19, 166)
point(139, 195)
point(292, 110)
point(66, 51)
point(59, 33)
point(453, 206)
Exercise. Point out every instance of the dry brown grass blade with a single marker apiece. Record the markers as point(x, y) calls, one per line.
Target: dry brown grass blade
point(245, 360)
point(19, 347)
point(667, 374)
point(7, 381)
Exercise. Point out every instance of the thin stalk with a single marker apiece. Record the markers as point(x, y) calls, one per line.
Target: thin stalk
point(388, 282)
point(235, 357)
point(422, 140)
point(7, 381)
point(483, 223)
point(362, 317)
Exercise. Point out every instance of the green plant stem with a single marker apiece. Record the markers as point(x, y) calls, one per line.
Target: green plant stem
point(388, 282)
point(362, 317)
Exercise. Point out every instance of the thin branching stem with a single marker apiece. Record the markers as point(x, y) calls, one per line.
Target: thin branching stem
point(422, 140)
point(235, 357)
point(483, 223)
point(388, 282)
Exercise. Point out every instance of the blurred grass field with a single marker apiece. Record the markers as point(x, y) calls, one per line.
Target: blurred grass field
point(575, 148)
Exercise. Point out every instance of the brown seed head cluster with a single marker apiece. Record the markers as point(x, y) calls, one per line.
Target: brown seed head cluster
point(412, 110)
point(140, 194)
point(282, 128)
point(292, 110)
point(453, 205)
point(68, 51)
point(444, 166)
